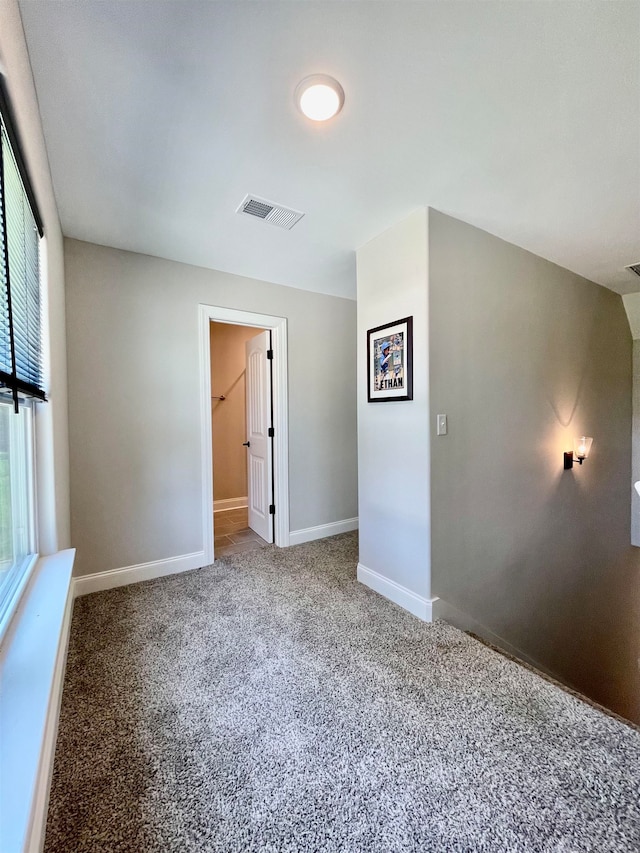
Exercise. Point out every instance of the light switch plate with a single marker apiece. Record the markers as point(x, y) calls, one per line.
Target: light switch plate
point(441, 424)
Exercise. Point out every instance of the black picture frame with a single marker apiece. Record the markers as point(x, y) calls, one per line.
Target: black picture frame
point(390, 371)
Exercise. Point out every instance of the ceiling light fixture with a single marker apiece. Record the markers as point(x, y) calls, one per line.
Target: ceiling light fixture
point(319, 97)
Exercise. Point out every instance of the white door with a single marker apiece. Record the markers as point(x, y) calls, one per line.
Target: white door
point(259, 444)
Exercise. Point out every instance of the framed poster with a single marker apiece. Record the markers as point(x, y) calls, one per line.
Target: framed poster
point(390, 362)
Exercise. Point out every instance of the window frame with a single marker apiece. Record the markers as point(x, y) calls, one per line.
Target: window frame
point(19, 336)
point(18, 577)
point(13, 585)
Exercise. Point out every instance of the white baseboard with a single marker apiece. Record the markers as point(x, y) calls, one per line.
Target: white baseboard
point(142, 572)
point(421, 607)
point(230, 503)
point(308, 534)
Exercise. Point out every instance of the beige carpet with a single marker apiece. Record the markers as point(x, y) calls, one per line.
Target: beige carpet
point(271, 703)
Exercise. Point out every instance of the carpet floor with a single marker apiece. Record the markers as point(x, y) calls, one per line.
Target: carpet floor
point(271, 703)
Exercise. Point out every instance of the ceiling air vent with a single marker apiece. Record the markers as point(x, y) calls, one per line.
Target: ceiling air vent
point(269, 211)
point(635, 268)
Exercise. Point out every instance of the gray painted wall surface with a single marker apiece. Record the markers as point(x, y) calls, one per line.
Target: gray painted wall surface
point(524, 355)
point(393, 444)
point(135, 408)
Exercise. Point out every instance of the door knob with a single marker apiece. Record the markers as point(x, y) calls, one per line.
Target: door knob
point(246, 444)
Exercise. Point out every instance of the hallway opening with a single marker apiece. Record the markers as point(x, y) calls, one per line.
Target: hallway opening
point(244, 430)
point(234, 530)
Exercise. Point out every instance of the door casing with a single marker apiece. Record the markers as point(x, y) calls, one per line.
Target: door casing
point(278, 327)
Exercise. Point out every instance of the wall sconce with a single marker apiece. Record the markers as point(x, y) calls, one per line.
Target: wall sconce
point(581, 448)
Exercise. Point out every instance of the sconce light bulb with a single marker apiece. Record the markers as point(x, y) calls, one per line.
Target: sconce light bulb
point(582, 446)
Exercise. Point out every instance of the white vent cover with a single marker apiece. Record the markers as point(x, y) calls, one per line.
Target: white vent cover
point(635, 268)
point(269, 211)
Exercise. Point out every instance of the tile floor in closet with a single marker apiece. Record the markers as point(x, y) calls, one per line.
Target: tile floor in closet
point(232, 534)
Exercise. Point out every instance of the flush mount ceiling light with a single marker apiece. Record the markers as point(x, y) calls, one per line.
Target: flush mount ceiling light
point(319, 97)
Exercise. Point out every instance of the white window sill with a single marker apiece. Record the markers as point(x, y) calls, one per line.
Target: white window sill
point(31, 671)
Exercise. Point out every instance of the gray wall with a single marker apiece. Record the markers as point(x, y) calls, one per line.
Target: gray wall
point(524, 355)
point(393, 451)
point(134, 406)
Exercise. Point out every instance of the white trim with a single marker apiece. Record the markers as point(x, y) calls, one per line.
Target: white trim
point(308, 534)
point(206, 449)
point(142, 572)
point(421, 607)
point(230, 503)
point(32, 665)
point(281, 424)
point(40, 806)
point(278, 326)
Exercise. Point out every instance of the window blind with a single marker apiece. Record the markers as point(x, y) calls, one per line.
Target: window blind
point(20, 229)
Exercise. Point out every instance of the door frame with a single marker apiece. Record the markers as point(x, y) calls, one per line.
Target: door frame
point(278, 327)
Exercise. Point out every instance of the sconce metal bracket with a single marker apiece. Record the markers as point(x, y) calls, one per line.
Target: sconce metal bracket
point(569, 460)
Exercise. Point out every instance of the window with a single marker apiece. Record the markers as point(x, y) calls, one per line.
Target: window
point(17, 534)
point(21, 370)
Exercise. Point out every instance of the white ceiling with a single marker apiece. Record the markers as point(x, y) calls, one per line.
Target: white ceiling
point(521, 118)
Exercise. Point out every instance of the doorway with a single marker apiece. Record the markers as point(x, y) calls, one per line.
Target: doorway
point(241, 443)
point(244, 430)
